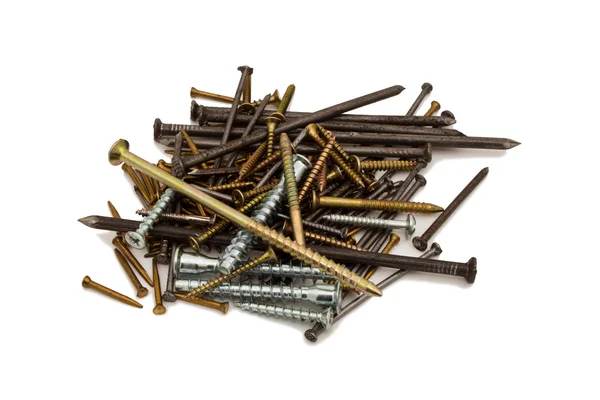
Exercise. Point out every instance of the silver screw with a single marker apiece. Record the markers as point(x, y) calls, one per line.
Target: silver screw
point(408, 225)
point(322, 295)
point(324, 318)
point(137, 239)
point(236, 254)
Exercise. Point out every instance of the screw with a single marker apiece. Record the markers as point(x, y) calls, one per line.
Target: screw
point(392, 241)
point(88, 283)
point(322, 179)
point(231, 186)
point(274, 119)
point(371, 204)
point(119, 153)
point(319, 166)
point(435, 107)
point(321, 294)
point(384, 165)
point(118, 243)
point(368, 222)
point(239, 198)
point(141, 291)
point(188, 219)
point(158, 308)
point(426, 88)
point(269, 255)
point(217, 305)
point(317, 116)
point(420, 242)
point(342, 233)
point(252, 161)
point(136, 239)
point(350, 173)
point(246, 107)
point(313, 333)
point(321, 238)
point(291, 188)
point(290, 313)
point(218, 97)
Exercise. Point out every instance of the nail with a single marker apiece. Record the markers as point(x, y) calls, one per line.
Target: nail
point(158, 308)
point(141, 291)
point(88, 283)
point(118, 243)
point(426, 88)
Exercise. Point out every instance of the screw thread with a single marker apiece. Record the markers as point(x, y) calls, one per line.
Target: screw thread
point(322, 179)
point(315, 171)
point(383, 205)
point(247, 93)
point(287, 98)
point(254, 292)
point(367, 222)
point(333, 186)
point(231, 186)
point(269, 255)
point(327, 135)
point(350, 173)
point(289, 269)
point(309, 256)
point(290, 313)
point(288, 172)
point(388, 165)
point(266, 162)
point(158, 209)
point(252, 160)
point(330, 241)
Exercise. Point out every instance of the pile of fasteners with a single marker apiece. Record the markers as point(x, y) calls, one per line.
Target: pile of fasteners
point(253, 176)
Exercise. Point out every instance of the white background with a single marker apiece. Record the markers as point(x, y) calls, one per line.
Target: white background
point(75, 77)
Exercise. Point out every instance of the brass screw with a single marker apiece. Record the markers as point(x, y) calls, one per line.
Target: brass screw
point(327, 135)
point(141, 291)
point(88, 283)
point(287, 229)
point(435, 107)
point(322, 179)
point(252, 160)
point(334, 173)
point(291, 188)
point(119, 153)
point(158, 308)
point(276, 156)
point(231, 186)
point(246, 107)
point(371, 204)
point(196, 241)
point(239, 198)
point(385, 165)
point(278, 116)
point(268, 256)
point(217, 305)
point(273, 99)
point(194, 93)
point(392, 241)
point(118, 243)
point(352, 175)
point(316, 169)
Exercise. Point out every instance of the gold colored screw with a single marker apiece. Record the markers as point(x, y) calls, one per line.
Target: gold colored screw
point(268, 256)
point(217, 305)
point(118, 243)
point(392, 241)
point(239, 198)
point(194, 93)
point(278, 116)
point(435, 107)
point(231, 186)
point(322, 179)
point(387, 165)
point(327, 135)
point(158, 308)
point(287, 229)
point(316, 169)
point(352, 175)
point(334, 173)
point(291, 188)
point(369, 204)
point(246, 107)
point(196, 241)
point(252, 160)
point(119, 153)
point(276, 156)
point(141, 291)
point(354, 231)
point(88, 283)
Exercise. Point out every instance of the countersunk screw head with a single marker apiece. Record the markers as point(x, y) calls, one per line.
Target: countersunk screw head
point(114, 154)
point(438, 249)
point(238, 198)
point(337, 296)
point(314, 201)
point(472, 270)
point(135, 240)
point(427, 87)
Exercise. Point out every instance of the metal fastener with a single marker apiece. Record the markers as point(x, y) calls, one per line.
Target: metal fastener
point(291, 188)
point(88, 283)
point(140, 290)
point(325, 317)
point(118, 243)
point(319, 165)
point(408, 225)
point(187, 219)
point(217, 305)
point(426, 88)
point(158, 308)
point(137, 239)
point(277, 117)
point(372, 204)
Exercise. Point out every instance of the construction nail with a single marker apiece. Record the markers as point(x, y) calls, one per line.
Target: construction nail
point(88, 283)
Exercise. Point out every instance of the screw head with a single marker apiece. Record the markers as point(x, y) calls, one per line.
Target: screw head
point(310, 335)
point(142, 292)
point(86, 281)
point(419, 243)
point(336, 171)
point(116, 150)
point(355, 163)
point(427, 87)
point(135, 240)
point(327, 318)
point(314, 200)
point(271, 256)
point(337, 296)
point(238, 198)
point(246, 108)
point(438, 249)
point(411, 223)
point(159, 309)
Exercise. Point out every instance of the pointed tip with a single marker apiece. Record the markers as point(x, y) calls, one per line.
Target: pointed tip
point(484, 171)
point(509, 144)
point(435, 209)
point(373, 290)
point(88, 221)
